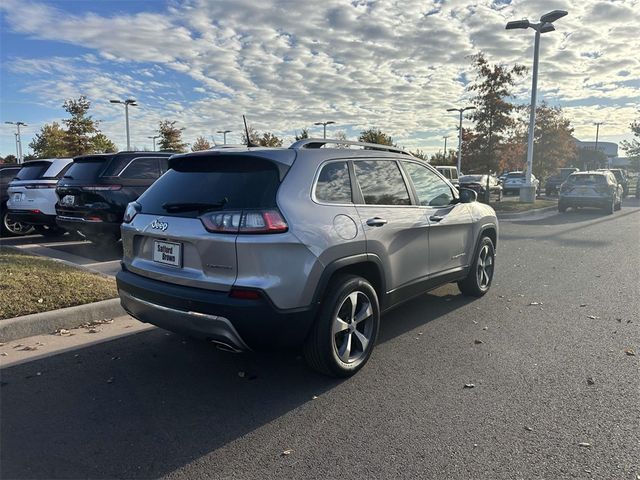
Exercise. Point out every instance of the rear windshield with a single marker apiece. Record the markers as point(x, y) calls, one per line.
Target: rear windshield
point(471, 178)
point(515, 175)
point(86, 169)
point(587, 179)
point(237, 182)
point(34, 171)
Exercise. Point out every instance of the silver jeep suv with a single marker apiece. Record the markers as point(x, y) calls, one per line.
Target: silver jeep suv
point(305, 246)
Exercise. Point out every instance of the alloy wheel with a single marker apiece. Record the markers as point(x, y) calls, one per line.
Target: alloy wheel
point(15, 227)
point(353, 327)
point(484, 270)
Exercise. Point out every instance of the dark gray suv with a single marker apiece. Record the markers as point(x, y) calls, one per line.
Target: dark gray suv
point(305, 246)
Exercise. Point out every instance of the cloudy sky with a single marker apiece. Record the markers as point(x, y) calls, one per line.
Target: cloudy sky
point(395, 65)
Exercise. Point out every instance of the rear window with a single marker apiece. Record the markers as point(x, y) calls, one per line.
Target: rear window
point(472, 178)
point(239, 182)
point(515, 175)
point(33, 171)
point(88, 170)
point(587, 179)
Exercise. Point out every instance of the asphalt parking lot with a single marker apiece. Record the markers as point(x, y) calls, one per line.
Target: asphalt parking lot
point(552, 352)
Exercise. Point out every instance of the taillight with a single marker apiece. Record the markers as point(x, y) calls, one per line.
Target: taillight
point(100, 188)
point(245, 221)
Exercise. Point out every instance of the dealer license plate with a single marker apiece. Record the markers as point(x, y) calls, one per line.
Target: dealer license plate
point(167, 253)
point(17, 197)
point(68, 200)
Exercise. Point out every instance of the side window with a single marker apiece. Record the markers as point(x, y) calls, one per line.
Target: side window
point(432, 190)
point(334, 184)
point(381, 182)
point(164, 164)
point(141, 168)
point(8, 174)
point(64, 170)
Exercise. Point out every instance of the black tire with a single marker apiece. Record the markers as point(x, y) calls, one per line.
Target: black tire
point(321, 349)
point(500, 196)
point(619, 205)
point(11, 228)
point(476, 284)
point(610, 209)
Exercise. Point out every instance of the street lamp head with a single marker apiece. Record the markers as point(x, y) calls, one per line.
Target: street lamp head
point(131, 101)
point(518, 24)
point(453, 109)
point(9, 123)
point(547, 27)
point(553, 16)
point(115, 101)
point(468, 108)
point(318, 123)
point(329, 122)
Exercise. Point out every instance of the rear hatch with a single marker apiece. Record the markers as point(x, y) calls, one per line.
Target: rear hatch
point(586, 185)
point(81, 190)
point(26, 183)
point(188, 221)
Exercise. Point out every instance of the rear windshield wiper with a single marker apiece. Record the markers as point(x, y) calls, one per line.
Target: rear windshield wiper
point(194, 206)
point(67, 176)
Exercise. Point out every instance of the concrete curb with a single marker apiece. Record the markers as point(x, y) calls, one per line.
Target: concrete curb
point(523, 215)
point(49, 322)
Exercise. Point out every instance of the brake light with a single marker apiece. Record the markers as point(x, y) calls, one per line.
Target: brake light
point(93, 218)
point(244, 294)
point(100, 188)
point(132, 210)
point(245, 221)
point(36, 212)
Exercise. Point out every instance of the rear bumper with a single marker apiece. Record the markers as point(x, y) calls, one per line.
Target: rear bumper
point(239, 323)
point(32, 218)
point(87, 227)
point(596, 202)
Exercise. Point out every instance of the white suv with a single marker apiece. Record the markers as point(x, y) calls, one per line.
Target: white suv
point(32, 194)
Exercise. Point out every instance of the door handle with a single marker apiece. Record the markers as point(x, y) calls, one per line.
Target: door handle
point(435, 218)
point(376, 222)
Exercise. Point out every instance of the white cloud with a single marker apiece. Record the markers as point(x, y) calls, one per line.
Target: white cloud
point(393, 65)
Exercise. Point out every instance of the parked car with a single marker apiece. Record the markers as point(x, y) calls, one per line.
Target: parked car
point(638, 187)
point(621, 177)
point(95, 191)
point(552, 184)
point(514, 180)
point(32, 195)
point(256, 248)
point(10, 226)
point(478, 183)
point(450, 173)
point(598, 189)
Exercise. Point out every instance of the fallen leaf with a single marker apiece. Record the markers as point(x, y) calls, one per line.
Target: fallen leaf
point(18, 345)
point(287, 452)
point(40, 300)
point(584, 444)
point(535, 303)
point(62, 331)
point(110, 380)
point(590, 381)
point(593, 317)
point(29, 348)
point(485, 328)
point(4, 354)
point(314, 397)
point(241, 374)
point(478, 342)
point(630, 351)
point(93, 330)
point(528, 429)
point(469, 385)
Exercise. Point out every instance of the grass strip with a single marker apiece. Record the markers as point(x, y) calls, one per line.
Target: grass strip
point(31, 284)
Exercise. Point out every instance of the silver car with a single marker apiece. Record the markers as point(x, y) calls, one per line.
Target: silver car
point(306, 246)
point(598, 189)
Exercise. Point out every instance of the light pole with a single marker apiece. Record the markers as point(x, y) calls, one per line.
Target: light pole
point(324, 124)
point(528, 191)
point(18, 139)
point(460, 111)
point(224, 135)
point(126, 103)
point(597, 124)
point(154, 141)
point(445, 147)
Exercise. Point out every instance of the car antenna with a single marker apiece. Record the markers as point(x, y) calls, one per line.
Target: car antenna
point(246, 129)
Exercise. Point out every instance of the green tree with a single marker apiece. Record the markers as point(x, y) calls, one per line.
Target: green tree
point(254, 136)
point(492, 88)
point(421, 155)
point(50, 142)
point(101, 144)
point(170, 137)
point(200, 144)
point(375, 135)
point(268, 139)
point(9, 159)
point(554, 146)
point(632, 148)
point(81, 127)
point(303, 134)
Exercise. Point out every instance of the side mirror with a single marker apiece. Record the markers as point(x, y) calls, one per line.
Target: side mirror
point(467, 195)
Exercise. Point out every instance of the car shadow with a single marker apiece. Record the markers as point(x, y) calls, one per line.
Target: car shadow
point(145, 405)
point(98, 253)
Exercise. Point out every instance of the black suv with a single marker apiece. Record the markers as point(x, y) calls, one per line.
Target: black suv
point(552, 184)
point(95, 191)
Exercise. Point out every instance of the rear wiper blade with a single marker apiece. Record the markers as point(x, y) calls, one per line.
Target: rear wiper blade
point(194, 206)
point(67, 176)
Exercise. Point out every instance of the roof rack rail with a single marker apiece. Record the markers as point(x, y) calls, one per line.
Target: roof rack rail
point(320, 142)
